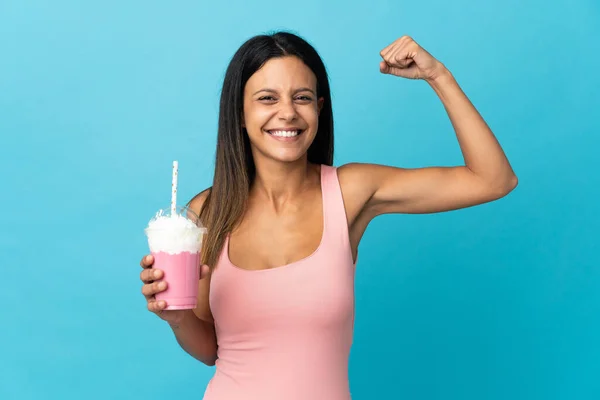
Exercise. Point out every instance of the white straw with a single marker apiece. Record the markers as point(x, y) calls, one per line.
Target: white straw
point(174, 189)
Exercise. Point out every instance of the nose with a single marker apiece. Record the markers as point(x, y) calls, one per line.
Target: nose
point(287, 111)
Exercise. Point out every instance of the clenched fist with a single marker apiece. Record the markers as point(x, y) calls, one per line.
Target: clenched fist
point(406, 59)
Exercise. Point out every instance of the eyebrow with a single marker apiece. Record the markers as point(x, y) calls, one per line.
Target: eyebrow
point(304, 89)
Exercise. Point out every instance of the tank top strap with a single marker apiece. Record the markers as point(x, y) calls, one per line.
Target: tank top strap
point(334, 209)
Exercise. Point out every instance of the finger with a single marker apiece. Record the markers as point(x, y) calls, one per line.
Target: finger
point(396, 68)
point(411, 72)
point(147, 261)
point(150, 275)
point(385, 53)
point(404, 62)
point(204, 271)
point(386, 50)
point(405, 41)
point(156, 306)
point(399, 57)
point(151, 289)
point(395, 45)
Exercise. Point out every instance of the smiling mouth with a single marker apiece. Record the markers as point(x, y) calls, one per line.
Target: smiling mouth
point(285, 133)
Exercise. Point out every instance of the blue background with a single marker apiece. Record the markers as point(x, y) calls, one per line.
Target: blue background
point(499, 301)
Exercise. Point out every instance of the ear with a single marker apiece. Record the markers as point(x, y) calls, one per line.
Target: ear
point(320, 103)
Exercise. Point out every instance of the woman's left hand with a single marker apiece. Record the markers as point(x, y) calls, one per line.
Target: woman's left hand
point(406, 59)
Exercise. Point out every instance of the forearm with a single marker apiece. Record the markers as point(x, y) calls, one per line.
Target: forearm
point(197, 338)
point(482, 153)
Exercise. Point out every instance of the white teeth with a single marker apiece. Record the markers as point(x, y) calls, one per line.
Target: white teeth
point(284, 133)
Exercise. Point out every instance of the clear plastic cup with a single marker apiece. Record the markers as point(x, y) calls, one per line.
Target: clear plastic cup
point(175, 241)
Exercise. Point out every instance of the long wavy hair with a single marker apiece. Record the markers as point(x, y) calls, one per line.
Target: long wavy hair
point(234, 171)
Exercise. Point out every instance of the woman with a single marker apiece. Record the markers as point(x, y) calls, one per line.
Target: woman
point(276, 303)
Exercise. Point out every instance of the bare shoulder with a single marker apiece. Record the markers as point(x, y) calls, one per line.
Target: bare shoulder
point(356, 186)
point(197, 202)
point(350, 176)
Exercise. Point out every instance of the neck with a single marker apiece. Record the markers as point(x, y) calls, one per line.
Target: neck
point(278, 182)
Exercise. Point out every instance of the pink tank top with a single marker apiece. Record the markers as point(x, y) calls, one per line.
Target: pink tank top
point(285, 333)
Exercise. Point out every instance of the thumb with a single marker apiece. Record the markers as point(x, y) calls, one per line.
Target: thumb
point(405, 72)
point(204, 271)
point(384, 67)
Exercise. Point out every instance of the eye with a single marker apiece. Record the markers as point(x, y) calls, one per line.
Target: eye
point(304, 98)
point(266, 98)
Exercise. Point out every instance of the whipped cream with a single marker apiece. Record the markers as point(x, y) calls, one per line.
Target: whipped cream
point(174, 234)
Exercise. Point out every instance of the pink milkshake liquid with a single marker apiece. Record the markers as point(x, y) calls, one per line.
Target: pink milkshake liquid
point(175, 241)
point(181, 272)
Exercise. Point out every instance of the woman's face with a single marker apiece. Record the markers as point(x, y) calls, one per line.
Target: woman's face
point(281, 109)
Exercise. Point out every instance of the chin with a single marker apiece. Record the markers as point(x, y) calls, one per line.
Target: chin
point(288, 158)
point(281, 153)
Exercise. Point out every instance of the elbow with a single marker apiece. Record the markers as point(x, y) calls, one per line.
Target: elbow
point(507, 186)
point(512, 183)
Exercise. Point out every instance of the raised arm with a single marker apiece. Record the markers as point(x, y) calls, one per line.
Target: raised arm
point(485, 176)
